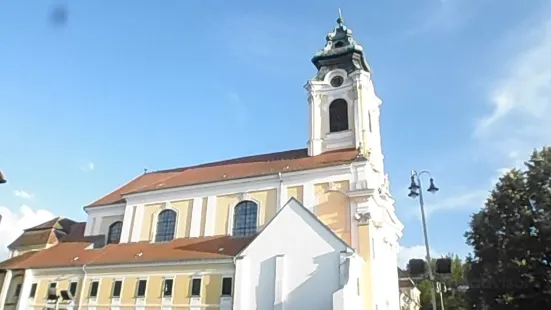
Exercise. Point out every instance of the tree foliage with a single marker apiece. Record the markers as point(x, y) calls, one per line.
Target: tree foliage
point(511, 240)
point(454, 298)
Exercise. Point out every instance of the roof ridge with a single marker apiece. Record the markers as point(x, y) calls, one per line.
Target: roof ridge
point(228, 161)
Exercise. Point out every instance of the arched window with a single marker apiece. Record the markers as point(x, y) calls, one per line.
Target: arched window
point(114, 234)
point(166, 225)
point(244, 218)
point(338, 115)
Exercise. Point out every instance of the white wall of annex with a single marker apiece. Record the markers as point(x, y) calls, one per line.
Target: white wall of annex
point(310, 265)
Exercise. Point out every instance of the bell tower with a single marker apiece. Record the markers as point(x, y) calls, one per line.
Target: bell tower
point(344, 109)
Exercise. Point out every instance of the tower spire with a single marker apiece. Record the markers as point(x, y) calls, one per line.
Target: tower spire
point(340, 20)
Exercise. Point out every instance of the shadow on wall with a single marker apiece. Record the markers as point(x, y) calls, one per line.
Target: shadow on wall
point(316, 290)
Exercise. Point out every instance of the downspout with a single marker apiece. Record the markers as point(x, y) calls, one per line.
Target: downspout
point(81, 294)
point(280, 190)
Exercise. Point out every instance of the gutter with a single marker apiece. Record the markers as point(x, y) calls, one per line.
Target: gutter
point(81, 294)
point(280, 191)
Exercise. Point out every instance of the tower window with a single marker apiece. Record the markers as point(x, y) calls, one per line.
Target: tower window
point(338, 115)
point(339, 44)
point(114, 234)
point(244, 218)
point(166, 225)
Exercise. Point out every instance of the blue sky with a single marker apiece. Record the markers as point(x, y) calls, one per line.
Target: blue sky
point(127, 84)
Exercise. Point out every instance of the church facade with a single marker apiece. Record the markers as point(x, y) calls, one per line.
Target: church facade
point(312, 228)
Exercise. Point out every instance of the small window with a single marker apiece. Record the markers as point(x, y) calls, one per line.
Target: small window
point(167, 287)
point(17, 291)
point(73, 288)
point(94, 289)
point(142, 286)
point(33, 290)
point(196, 287)
point(114, 234)
point(338, 115)
point(166, 226)
point(52, 288)
point(227, 286)
point(117, 286)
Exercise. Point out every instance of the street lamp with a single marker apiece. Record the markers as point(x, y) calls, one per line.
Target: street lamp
point(415, 189)
point(2, 179)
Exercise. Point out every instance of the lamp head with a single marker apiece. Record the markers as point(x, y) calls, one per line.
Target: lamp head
point(432, 188)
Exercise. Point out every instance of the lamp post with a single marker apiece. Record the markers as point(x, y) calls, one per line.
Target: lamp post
point(415, 189)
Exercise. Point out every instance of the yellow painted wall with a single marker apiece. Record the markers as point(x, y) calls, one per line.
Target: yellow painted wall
point(333, 208)
point(2, 276)
point(297, 192)
point(182, 289)
point(105, 290)
point(223, 205)
point(364, 249)
point(154, 289)
point(129, 290)
point(268, 205)
point(184, 209)
point(210, 292)
point(211, 289)
point(149, 212)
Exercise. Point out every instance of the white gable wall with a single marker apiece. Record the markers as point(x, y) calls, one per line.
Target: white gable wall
point(295, 260)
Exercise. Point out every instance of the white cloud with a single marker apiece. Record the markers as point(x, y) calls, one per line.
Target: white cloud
point(468, 199)
point(12, 224)
point(89, 166)
point(416, 251)
point(23, 194)
point(520, 100)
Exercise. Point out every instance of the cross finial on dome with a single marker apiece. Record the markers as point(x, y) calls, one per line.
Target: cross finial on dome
point(340, 20)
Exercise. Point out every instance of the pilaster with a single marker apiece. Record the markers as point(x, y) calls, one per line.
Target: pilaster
point(22, 303)
point(137, 223)
point(196, 213)
point(127, 223)
point(5, 288)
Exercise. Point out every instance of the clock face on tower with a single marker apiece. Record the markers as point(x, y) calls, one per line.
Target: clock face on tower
point(337, 81)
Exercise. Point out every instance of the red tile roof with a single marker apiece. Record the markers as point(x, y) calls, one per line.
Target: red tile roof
point(67, 254)
point(251, 166)
point(49, 232)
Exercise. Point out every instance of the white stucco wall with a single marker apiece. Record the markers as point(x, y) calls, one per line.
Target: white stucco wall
point(295, 260)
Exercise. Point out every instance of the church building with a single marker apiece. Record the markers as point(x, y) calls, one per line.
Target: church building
point(311, 228)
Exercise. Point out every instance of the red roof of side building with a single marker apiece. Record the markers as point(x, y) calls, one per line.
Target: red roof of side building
point(68, 254)
point(245, 167)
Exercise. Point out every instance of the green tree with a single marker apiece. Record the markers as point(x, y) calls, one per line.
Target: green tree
point(511, 241)
point(454, 298)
